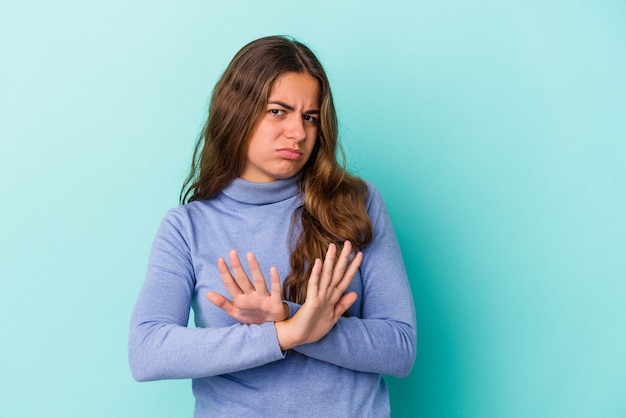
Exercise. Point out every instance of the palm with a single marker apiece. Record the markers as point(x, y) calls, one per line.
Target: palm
point(254, 308)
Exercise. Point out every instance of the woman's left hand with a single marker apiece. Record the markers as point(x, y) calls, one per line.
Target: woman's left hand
point(251, 302)
point(326, 300)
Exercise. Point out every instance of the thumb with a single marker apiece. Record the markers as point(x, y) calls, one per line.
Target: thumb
point(344, 303)
point(216, 299)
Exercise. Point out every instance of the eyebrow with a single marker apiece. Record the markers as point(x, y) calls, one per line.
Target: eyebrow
point(291, 108)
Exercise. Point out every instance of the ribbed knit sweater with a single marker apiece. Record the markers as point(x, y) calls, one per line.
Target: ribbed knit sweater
point(239, 370)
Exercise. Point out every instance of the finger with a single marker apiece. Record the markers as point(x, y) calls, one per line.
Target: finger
point(342, 261)
point(275, 285)
point(229, 282)
point(240, 275)
point(257, 276)
point(327, 268)
point(313, 284)
point(350, 272)
point(344, 304)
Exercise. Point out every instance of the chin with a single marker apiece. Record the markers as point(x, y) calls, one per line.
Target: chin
point(283, 175)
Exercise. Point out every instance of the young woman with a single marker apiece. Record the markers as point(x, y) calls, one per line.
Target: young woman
point(336, 313)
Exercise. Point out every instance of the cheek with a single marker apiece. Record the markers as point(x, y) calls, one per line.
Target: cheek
point(312, 136)
point(313, 145)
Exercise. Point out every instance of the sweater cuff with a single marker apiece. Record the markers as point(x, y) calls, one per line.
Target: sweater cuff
point(293, 307)
point(272, 339)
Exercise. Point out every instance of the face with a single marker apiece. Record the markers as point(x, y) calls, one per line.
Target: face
point(284, 138)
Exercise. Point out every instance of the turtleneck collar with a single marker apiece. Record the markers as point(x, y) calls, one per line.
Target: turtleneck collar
point(251, 193)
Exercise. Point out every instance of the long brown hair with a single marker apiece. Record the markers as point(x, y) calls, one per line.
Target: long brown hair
point(334, 208)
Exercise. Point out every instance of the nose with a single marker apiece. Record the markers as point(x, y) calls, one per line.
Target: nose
point(295, 128)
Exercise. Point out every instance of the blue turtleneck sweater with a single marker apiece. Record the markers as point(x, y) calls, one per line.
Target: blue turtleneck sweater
point(240, 370)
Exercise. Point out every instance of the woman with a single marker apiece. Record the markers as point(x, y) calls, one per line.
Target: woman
point(265, 181)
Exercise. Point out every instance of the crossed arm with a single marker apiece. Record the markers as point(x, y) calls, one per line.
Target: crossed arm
point(380, 338)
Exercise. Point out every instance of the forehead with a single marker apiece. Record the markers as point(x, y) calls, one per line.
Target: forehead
point(300, 87)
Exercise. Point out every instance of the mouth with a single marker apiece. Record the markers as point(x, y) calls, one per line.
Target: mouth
point(290, 153)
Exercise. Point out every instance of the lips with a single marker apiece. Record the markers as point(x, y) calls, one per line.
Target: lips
point(290, 153)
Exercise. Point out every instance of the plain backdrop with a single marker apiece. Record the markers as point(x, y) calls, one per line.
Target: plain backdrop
point(495, 131)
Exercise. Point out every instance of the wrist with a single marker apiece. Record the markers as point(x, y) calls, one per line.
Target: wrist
point(282, 333)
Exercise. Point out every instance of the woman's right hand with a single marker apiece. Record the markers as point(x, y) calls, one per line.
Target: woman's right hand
point(251, 302)
point(325, 300)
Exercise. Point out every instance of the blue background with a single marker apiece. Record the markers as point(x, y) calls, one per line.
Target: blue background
point(495, 131)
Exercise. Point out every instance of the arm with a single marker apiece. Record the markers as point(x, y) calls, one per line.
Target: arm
point(383, 338)
point(160, 345)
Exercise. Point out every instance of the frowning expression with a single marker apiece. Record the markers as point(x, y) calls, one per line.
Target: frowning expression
point(284, 138)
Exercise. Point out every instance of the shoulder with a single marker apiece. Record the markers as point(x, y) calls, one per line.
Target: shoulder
point(374, 198)
point(188, 212)
point(376, 207)
point(181, 217)
point(180, 224)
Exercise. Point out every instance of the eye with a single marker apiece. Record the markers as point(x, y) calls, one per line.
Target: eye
point(310, 119)
point(276, 112)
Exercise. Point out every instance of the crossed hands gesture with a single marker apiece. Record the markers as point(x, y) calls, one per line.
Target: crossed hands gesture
point(325, 301)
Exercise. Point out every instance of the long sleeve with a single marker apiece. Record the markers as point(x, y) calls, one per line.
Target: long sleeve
point(161, 346)
point(380, 335)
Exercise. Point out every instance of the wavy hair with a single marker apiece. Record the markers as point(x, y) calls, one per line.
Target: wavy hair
point(334, 208)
